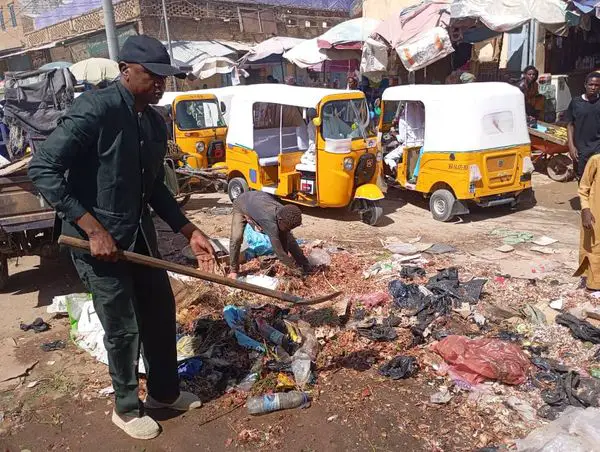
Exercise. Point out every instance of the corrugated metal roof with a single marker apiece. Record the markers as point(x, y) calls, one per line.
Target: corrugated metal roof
point(193, 52)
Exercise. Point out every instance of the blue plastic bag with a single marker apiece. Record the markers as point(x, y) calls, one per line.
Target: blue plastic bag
point(258, 243)
point(234, 317)
point(189, 368)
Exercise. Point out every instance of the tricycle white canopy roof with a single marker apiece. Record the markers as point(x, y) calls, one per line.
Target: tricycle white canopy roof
point(469, 117)
point(241, 126)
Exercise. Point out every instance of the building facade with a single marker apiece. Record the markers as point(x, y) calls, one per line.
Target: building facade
point(62, 38)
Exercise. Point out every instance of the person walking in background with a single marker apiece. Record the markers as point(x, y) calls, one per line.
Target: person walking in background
point(583, 130)
point(589, 248)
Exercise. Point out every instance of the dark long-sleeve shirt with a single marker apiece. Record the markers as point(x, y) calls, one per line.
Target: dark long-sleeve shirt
point(260, 209)
point(106, 159)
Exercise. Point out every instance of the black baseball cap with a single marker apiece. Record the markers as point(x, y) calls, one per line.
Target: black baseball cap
point(151, 54)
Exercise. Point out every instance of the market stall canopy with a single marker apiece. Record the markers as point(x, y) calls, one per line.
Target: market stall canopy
point(190, 53)
point(95, 70)
point(507, 15)
point(56, 65)
point(210, 66)
point(408, 23)
point(586, 6)
point(269, 51)
point(349, 34)
point(308, 53)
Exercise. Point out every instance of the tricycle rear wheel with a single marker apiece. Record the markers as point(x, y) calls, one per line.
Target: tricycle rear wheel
point(441, 204)
point(3, 272)
point(236, 187)
point(560, 168)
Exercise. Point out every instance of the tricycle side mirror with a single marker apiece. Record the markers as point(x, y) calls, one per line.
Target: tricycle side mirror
point(223, 107)
point(317, 122)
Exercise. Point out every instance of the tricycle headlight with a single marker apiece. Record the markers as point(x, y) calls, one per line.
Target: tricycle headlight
point(200, 146)
point(348, 163)
point(379, 156)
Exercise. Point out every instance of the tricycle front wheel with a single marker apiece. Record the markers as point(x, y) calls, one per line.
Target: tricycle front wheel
point(371, 212)
point(441, 204)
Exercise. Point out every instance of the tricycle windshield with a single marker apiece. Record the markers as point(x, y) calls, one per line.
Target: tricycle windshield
point(198, 114)
point(343, 119)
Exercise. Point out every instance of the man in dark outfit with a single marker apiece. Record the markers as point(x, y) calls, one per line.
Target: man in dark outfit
point(266, 215)
point(583, 130)
point(101, 169)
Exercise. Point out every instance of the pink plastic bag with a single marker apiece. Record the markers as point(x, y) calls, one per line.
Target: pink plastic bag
point(477, 360)
point(374, 299)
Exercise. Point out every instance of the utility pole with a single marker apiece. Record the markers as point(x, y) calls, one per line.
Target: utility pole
point(164, 8)
point(111, 30)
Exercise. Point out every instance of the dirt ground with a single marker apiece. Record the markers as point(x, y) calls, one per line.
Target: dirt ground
point(57, 406)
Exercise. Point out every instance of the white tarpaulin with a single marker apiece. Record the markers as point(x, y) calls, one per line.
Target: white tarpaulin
point(353, 31)
point(506, 15)
point(214, 65)
point(429, 47)
point(308, 54)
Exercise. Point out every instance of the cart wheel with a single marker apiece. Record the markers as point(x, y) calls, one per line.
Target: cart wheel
point(560, 168)
point(441, 204)
point(183, 201)
point(372, 213)
point(236, 187)
point(3, 272)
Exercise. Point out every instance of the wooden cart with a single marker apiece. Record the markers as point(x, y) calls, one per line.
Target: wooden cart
point(551, 154)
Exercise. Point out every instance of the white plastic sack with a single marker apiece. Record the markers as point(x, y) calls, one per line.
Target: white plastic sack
point(577, 430)
point(374, 60)
point(429, 47)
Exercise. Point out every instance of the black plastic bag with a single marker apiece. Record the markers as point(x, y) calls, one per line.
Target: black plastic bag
point(580, 328)
point(400, 367)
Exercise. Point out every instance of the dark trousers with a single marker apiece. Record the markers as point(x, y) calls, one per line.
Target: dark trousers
point(136, 307)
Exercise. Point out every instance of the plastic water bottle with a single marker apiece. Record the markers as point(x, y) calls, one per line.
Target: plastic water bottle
point(278, 401)
point(270, 333)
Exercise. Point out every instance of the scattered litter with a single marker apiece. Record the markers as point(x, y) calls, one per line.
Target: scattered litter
point(406, 249)
point(305, 355)
point(557, 304)
point(523, 408)
point(477, 360)
point(378, 333)
point(510, 237)
point(38, 325)
point(440, 248)
point(50, 363)
point(284, 382)
point(261, 280)
point(441, 397)
point(235, 318)
point(187, 347)
point(505, 249)
point(106, 391)
point(400, 367)
point(258, 244)
point(542, 250)
point(32, 384)
point(412, 271)
point(372, 300)
point(189, 368)
point(381, 267)
point(319, 257)
point(534, 315)
point(544, 241)
point(595, 295)
point(332, 418)
point(577, 430)
point(570, 389)
point(580, 328)
point(479, 319)
point(54, 345)
point(277, 401)
point(595, 372)
point(60, 302)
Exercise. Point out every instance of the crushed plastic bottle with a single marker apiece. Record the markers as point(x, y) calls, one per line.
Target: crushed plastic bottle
point(302, 359)
point(270, 333)
point(278, 401)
